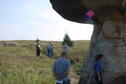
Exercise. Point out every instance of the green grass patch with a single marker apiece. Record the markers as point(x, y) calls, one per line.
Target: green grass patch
point(19, 65)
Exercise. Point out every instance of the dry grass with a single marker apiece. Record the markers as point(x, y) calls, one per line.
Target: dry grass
point(19, 65)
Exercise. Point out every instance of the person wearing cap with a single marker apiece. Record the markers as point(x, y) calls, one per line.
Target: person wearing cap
point(61, 69)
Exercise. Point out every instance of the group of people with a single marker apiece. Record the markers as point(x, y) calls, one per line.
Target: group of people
point(61, 66)
point(50, 49)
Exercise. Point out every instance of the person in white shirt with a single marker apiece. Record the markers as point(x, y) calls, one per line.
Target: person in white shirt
point(38, 49)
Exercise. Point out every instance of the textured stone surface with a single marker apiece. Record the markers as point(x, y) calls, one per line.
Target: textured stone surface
point(110, 42)
point(109, 36)
point(74, 10)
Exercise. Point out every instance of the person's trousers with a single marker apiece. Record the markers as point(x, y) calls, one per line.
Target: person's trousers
point(49, 53)
point(38, 52)
point(99, 81)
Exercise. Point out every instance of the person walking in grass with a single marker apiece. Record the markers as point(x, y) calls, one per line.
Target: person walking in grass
point(98, 69)
point(61, 69)
point(65, 48)
point(38, 49)
point(49, 50)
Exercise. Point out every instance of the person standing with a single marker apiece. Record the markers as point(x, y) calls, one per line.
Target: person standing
point(65, 48)
point(98, 69)
point(38, 49)
point(61, 69)
point(52, 49)
point(49, 50)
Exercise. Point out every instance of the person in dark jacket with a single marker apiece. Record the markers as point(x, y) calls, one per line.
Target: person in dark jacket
point(38, 49)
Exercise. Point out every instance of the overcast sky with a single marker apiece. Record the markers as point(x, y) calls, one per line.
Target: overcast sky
point(31, 19)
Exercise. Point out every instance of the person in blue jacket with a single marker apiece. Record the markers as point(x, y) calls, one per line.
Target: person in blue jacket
point(98, 69)
point(49, 50)
point(61, 69)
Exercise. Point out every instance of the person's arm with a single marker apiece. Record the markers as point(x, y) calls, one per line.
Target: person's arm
point(64, 74)
point(52, 47)
point(58, 77)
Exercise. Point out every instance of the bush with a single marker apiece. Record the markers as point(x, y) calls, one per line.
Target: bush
point(67, 40)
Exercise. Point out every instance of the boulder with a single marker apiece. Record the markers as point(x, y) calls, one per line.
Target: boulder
point(12, 44)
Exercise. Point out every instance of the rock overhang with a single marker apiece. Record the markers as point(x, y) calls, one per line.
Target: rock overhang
point(75, 10)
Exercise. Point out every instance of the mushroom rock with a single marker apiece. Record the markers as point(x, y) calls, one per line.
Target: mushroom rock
point(72, 10)
point(108, 38)
point(75, 10)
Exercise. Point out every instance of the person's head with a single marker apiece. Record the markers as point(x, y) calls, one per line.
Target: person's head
point(63, 54)
point(65, 43)
point(98, 57)
point(38, 43)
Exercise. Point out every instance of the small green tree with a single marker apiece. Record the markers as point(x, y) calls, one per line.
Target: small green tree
point(67, 40)
point(37, 40)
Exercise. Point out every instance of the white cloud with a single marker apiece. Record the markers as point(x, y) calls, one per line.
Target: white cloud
point(50, 15)
point(56, 31)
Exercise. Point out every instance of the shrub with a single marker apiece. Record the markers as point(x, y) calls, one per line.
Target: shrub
point(67, 40)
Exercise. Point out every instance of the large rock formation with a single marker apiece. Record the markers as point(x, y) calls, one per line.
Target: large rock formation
point(110, 40)
point(74, 10)
point(109, 36)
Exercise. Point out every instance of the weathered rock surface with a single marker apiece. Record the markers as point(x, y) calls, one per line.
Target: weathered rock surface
point(69, 9)
point(108, 40)
point(109, 36)
point(74, 10)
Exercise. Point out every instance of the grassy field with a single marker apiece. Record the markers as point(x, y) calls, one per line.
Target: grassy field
point(19, 65)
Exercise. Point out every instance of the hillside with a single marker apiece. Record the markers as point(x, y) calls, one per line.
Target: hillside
point(19, 65)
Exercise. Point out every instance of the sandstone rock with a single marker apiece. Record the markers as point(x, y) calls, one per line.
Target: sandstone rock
point(109, 36)
point(74, 10)
point(111, 44)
